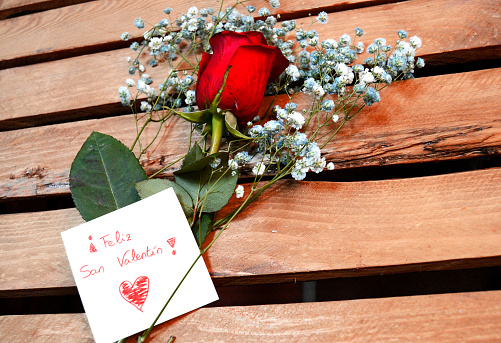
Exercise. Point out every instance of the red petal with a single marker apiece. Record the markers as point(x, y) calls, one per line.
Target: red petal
point(201, 98)
point(252, 66)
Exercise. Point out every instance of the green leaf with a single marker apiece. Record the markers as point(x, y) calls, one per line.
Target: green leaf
point(147, 188)
point(198, 117)
point(102, 176)
point(231, 125)
point(201, 229)
point(201, 163)
point(212, 188)
point(218, 190)
point(192, 182)
point(193, 155)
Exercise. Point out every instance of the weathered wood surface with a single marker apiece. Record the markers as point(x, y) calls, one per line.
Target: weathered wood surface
point(460, 317)
point(97, 25)
point(323, 230)
point(10, 8)
point(427, 119)
point(39, 101)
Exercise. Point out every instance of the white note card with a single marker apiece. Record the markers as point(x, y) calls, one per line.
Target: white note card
point(128, 262)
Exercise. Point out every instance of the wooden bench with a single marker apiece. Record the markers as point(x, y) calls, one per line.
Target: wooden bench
point(402, 242)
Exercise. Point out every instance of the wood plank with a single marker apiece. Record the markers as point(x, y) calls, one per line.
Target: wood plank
point(97, 25)
point(323, 230)
point(456, 317)
point(10, 8)
point(86, 86)
point(71, 95)
point(427, 119)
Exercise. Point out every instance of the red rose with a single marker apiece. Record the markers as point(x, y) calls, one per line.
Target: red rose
point(254, 64)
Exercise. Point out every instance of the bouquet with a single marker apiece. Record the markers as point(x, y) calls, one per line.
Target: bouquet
point(217, 65)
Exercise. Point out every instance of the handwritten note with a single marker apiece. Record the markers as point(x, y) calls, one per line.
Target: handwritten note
point(128, 262)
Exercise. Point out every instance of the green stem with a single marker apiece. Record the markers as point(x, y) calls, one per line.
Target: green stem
point(143, 337)
point(217, 132)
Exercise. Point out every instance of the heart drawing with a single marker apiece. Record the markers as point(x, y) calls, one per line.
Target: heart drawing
point(136, 293)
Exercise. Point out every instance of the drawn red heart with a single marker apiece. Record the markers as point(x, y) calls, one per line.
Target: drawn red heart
point(136, 293)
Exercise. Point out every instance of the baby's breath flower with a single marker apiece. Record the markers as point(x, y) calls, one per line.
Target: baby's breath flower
point(274, 4)
point(402, 34)
point(139, 23)
point(322, 17)
point(190, 97)
point(259, 169)
point(293, 72)
point(420, 62)
point(215, 163)
point(318, 91)
point(145, 106)
point(344, 40)
point(239, 191)
point(193, 12)
point(263, 12)
point(359, 32)
point(273, 127)
point(335, 118)
point(327, 105)
point(232, 164)
point(130, 82)
point(371, 96)
point(296, 120)
point(251, 9)
point(330, 166)
point(125, 36)
point(134, 46)
point(359, 47)
point(167, 10)
point(155, 43)
point(415, 42)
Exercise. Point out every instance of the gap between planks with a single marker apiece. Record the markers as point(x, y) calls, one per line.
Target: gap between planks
point(323, 230)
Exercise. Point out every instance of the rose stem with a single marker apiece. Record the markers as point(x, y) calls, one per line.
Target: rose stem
point(217, 132)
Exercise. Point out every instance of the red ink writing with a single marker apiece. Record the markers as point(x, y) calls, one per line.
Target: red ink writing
point(92, 247)
point(91, 271)
point(135, 294)
point(172, 242)
point(119, 239)
point(132, 256)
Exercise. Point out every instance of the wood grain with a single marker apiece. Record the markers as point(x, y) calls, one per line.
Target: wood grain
point(97, 25)
point(323, 230)
point(460, 317)
point(10, 8)
point(86, 86)
point(427, 119)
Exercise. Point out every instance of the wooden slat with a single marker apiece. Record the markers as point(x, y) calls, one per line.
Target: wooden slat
point(87, 86)
point(323, 230)
point(9, 8)
point(427, 119)
point(456, 317)
point(98, 24)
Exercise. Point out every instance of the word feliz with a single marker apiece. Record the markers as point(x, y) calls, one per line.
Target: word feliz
point(128, 257)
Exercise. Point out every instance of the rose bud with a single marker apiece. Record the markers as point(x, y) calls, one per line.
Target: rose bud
point(253, 65)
